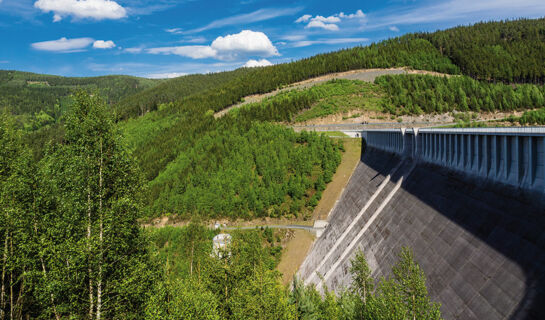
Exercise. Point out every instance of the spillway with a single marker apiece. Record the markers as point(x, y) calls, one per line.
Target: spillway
point(470, 203)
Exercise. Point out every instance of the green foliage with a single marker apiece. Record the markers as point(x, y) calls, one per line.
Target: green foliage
point(245, 170)
point(238, 285)
point(40, 100)
point(508, 51)
point(162, 96)
point(68, 223)
point(416, 94)
point(218, 91)
point(533, 117)
point(403, 296)
point(333, 97)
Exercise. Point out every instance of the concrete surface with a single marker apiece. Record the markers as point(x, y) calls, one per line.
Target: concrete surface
point(480, 242)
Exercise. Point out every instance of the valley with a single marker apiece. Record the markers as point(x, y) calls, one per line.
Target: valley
point(114, 189)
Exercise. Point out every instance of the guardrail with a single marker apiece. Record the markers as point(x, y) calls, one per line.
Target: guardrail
point(515, 156)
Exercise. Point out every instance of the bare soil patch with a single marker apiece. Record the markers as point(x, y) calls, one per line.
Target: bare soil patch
point(334, 189)
point(298, 243)
point(368, 75)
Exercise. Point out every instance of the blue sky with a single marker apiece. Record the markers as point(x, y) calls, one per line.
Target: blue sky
point(164, 38)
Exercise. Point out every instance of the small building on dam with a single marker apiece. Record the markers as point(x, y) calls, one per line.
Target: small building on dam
point(469, 202)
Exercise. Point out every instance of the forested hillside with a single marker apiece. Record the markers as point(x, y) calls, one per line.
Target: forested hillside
point(73, 249)
point(182, 150)
point(417, 94)
point(399, 52)
point(509, 51)
point(40, 100)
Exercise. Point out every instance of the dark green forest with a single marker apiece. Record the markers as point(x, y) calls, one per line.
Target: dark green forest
point(507, 51)
point(417, 94)
point(40, 100)
point(247, 170)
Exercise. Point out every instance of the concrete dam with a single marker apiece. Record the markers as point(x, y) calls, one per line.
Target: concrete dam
point(469, 202)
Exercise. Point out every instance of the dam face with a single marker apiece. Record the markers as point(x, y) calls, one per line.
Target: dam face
point(476, 226)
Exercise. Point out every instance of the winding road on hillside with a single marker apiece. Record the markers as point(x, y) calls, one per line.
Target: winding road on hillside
point(367, 75)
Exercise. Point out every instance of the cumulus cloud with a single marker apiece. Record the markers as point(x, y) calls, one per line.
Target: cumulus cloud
point(329, 23)
point(257, 63)
point(63, 45)
point(322, 25)
point(168, 75)
point(245, 43)
point(358, 15)
point(330, 19)
point(101, 44)
point(303, 18)
point(231, 47)
point(81, 9)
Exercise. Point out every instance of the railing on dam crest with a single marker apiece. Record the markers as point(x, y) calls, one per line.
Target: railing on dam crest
point(515, 156)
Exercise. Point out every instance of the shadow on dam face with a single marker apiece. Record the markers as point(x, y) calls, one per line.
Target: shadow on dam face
point(481, 244)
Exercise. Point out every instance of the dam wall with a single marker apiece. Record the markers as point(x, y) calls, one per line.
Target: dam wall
point(470, 204)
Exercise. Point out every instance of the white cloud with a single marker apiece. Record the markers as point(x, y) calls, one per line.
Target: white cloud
point(92, 9)
point(455, 12)
point(168, 75)
point(195, 52)
point(330, 19)
point(359, 15)
point(303, 18)
point(246, 18)
point(394, 29)
point(306, 43)
point(63, 45)
point(332, 22)
point(322, 25)
point(133, 50)
point(231, 47)
point(101, 44)
point(257, 63)
point(174, 30)
point(247, 42)
point(294, 37)
point(193, 39)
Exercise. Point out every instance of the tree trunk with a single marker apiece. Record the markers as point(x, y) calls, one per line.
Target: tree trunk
point(90, 270)
point(101, 231)
point(191, 264)
point(3, 293)
point(19, 302)
point(11, 283)
point(44, 271)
